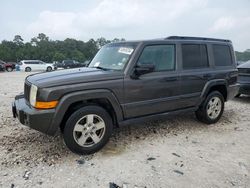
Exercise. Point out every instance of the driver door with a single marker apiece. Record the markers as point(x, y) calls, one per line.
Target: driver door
point(157, 91)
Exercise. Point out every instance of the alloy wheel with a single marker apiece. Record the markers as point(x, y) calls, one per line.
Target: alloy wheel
point(214, 107)
point(89, 130)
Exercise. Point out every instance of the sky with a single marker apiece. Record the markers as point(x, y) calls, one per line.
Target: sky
point(129, 19)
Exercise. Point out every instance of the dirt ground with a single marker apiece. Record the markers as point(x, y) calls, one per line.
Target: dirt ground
point(178, 152)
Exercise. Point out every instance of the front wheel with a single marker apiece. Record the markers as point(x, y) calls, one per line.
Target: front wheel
point(87, 130)
point(211, 109)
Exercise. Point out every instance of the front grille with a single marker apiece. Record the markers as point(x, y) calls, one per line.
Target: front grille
point(27, 87)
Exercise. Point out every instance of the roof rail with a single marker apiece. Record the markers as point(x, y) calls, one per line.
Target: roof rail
point(197, 38)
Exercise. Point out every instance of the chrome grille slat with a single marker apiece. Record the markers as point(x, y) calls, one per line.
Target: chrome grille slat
point(27, 87)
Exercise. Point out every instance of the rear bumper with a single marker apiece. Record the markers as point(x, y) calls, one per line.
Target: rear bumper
point(36, 119)
point(232, 91)
point(244, 88)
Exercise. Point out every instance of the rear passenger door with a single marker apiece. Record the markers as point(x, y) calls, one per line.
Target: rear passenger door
point(34, 65)
point(42, 66)
point(195, 72)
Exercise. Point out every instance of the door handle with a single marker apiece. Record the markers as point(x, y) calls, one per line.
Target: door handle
point(207, 76)
point(171, 79)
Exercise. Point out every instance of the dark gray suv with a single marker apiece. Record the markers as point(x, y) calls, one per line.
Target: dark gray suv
point(127, 82)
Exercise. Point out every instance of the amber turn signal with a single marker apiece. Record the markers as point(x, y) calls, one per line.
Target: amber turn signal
point(46, 105)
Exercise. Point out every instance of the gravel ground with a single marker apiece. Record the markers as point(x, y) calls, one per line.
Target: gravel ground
point(178, 152)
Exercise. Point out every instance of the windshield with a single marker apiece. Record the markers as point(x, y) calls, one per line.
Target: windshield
point(112, 57)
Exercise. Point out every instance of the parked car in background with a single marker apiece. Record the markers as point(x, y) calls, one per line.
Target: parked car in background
point(8, 66)
point(67, 64)
point(2, 68)
point(127, 82)
point(57, 64)
point(86, 63)
point(244, 78)
point(35, 65)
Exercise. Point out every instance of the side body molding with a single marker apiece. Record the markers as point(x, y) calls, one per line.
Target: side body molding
point(71, 98)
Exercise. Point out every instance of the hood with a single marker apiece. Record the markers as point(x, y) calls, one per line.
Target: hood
point(244, 65)
point(72, 76)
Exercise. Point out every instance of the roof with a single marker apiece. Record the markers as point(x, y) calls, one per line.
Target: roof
point(178, 38)
point(197, 38)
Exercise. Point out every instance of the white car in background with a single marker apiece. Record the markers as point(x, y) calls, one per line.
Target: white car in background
point(35, 65)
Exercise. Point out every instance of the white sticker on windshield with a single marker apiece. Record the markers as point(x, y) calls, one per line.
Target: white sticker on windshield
point(126, 50)
point(97, 64)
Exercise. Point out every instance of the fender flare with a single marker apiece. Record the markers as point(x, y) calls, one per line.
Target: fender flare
point(210, 84)
point(73, 97)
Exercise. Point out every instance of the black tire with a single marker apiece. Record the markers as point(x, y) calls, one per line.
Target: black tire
point(202, 113)
point(69, 134)
point(27, 69)
point(49, 69)
point(238, 95)
point(9, 69)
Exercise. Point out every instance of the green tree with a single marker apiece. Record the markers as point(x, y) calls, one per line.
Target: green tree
point(18, 40)
point(41, 47)
point(42, 37)
point(58, 57)
point(101, 42)
point(243, 56)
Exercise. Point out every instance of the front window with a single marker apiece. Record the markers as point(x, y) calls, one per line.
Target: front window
point(113, 56)
point(161, 56)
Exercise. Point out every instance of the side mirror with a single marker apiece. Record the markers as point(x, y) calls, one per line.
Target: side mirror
point(141, 69)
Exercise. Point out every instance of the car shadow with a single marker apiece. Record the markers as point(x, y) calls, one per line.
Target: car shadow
point(243, 99)
point(29, 147)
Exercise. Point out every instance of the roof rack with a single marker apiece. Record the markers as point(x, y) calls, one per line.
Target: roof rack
point(197, 38)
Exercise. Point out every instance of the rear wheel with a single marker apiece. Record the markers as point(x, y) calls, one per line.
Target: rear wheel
point(27, 69)
point(49, 69)
point(87, 130)
point(238, 95)
point(211, 109)
point(9, 69)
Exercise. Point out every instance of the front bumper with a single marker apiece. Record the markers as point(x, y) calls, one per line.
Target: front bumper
point(244, 88)
point(36, 119)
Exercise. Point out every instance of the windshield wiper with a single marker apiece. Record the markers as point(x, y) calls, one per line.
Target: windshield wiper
point(102, 68)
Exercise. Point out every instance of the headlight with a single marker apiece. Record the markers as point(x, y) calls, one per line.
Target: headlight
point(33, 93)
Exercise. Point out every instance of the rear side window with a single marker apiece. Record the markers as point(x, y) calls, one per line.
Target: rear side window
point(68, 62)
point(222, 55)
point(162, 56)
point(194, 56)
point(31, 62)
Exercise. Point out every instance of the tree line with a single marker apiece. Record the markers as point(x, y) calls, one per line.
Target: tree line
point(42, 48)
point(243, 56)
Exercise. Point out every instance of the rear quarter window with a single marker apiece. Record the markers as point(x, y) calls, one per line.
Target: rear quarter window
point(222, 55)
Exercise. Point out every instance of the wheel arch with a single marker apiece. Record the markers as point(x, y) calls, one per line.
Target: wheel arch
point(27, 67)
point(215, 85)
point(73, 101)
point(49, 67)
